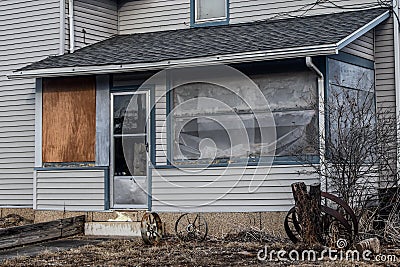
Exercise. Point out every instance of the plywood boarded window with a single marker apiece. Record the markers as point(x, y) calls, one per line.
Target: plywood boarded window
point(69, 119)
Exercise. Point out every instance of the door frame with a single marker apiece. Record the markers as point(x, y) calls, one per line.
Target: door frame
point(149, 144)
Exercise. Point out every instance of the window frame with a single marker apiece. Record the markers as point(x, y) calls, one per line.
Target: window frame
point(345, 58)
point(195, 22)
point(261, 161)
point(118, 89)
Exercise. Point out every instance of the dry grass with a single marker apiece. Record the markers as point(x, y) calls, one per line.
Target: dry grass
point(170, 252)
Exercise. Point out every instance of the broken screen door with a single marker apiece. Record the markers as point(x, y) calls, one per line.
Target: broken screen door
point(129, 150)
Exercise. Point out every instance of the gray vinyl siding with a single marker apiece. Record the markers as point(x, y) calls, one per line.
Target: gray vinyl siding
point(362, 47)
point(160, 15)
point(99, 18)
point(385, 66)
point(72, 190)
point(29, 32)
point(251, 10)
point(161, 125)
point(153, 15)
point(226, 189)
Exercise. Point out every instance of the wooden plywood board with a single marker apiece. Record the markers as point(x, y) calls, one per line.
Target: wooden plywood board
point(69, 119)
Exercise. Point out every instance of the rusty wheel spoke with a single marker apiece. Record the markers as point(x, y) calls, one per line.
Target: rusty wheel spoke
point(151, 228)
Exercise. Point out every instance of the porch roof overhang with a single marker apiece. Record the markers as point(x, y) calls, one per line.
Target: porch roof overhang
point(248, 42)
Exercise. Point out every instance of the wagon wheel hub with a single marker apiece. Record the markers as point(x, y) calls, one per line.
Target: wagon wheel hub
point(191, 227)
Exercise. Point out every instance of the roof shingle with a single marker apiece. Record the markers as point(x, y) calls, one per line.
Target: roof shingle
point(217, 40)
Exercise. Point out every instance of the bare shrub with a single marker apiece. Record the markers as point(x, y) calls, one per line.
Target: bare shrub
point(358, 158)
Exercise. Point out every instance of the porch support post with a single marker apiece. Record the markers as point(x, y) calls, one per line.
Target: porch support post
point(103, 132)
point(103, 120)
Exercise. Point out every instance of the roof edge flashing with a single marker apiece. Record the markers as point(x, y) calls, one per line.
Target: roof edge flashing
point(321, 50)
point(363, 30)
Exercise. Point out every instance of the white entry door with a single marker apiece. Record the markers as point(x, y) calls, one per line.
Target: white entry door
point(129, 166)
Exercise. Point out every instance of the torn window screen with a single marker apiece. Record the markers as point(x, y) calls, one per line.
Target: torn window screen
point(132, 159)
point(202, 129)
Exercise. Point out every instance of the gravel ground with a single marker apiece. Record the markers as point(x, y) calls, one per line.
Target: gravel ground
point(171, 252)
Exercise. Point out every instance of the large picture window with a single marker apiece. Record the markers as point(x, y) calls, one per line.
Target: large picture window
point(202, 130)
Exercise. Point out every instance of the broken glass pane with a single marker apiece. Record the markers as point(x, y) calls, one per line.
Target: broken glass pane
point(133, 120)
point(293, 130)
point(203, 130)
point(132, 159)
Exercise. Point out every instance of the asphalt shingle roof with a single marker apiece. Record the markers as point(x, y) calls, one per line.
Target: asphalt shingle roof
point(216, 40)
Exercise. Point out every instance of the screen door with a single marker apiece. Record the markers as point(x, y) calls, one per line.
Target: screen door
point(129, 166)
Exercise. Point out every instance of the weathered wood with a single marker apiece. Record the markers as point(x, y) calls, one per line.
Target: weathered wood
point(308, 209)
point(69, 119)
point(72, 226)
point(34, 233)
point(315, 213)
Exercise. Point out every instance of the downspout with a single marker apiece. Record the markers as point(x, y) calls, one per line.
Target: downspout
point(321, 115)
point(396, 36)
point(71, 26)
point(62, 28)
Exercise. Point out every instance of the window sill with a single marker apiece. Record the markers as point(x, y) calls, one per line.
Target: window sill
point(277, 162)
point(210, 23)
point(76, 168)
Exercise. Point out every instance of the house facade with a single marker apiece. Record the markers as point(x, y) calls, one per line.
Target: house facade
point(110, 104)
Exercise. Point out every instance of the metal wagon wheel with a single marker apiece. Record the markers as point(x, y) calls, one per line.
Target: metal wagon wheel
point(339, 220)
point(336, 227)
point(292, 226)
point(191, 227)
point(151, 228)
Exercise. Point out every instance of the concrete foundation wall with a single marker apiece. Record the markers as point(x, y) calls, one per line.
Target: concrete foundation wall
point(219, 224)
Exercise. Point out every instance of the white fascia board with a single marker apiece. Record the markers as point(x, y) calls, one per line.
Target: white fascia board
point(363, 30)
point(296, 52)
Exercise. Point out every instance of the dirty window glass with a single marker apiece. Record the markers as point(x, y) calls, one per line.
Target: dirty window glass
point(201, 129)
point(292, 97)
point(351, 98)
point(211, 9)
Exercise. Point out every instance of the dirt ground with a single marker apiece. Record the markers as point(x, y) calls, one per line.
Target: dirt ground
point(173, 252)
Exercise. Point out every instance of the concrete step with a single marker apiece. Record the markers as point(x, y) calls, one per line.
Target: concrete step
point(112, 229)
